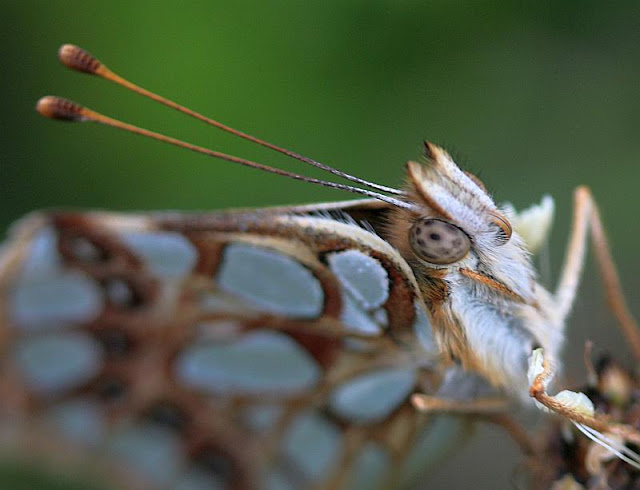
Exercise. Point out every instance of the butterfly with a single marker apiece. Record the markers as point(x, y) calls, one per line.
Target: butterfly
point(318, 346)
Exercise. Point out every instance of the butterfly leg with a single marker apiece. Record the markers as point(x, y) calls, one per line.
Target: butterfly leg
point(587, 218)
point(576, 406)
point(477, 406)
point(488, 409)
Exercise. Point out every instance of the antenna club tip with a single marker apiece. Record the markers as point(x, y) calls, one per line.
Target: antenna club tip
point(59, 108)
point(78, 59)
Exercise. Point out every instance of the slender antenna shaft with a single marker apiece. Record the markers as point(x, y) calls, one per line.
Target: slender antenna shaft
point(80, 60)
point(66, 110)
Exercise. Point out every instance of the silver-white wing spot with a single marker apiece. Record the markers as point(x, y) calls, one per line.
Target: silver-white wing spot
point(197, 479)
point(262, 417)
point(364, 289)
point(312, 444)
point(48, 296)
point(356, 318)
point(150, 451)
point(362, 276)
point(275, 479)
point(371, 397)
point(52, 363)
point(263, 361)
point(43, 258)
point(167, 254)
point(83, 421)
point(224, 303)
point(433, 444)
point(423, 331)
point(57, 300)
point(370, 469)
point(271, 280)
point(459, 384)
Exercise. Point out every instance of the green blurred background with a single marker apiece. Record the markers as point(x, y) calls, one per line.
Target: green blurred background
point(535, 100)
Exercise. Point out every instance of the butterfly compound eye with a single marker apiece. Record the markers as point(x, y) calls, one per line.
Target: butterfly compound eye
point(438, 242)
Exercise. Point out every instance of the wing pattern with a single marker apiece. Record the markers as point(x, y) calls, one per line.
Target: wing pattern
point(233, 350)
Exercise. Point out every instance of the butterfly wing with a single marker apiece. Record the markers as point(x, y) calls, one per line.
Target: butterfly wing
point(274, 349)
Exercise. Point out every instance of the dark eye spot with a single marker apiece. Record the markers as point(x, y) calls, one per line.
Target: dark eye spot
point(111, 389)
point(434, 236)
point(86, 251)
point(115, 342)
point(215, 462)
point(167, 414)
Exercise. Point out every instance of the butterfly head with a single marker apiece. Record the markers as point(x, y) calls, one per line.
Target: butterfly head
point(453, 221)
point(455, 202)
point(474, 270)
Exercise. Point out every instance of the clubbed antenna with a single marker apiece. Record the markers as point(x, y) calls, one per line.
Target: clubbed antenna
point(80, 60)
point(66, 110)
